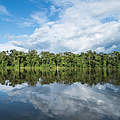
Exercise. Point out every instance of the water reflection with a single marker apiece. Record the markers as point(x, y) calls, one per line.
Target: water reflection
point(60, 95)
point(85, 76)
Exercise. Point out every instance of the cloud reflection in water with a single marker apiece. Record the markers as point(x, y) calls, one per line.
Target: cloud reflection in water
point(74, 101)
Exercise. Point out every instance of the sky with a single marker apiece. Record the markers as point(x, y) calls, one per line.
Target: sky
point(60, 25)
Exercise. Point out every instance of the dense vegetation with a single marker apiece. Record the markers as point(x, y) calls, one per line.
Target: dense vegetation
point(89, 59)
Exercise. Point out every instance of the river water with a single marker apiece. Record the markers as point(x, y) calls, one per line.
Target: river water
point(72, 95)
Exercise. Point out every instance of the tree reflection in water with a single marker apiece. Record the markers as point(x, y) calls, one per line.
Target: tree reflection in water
point(84, 76)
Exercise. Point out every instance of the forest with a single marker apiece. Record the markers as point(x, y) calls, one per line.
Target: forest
point(32, 58)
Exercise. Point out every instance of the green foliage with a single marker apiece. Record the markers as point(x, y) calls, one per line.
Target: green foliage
point(67, 76)
point(90, 59)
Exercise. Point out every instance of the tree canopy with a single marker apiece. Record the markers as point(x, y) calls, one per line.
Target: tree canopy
point(32, 58)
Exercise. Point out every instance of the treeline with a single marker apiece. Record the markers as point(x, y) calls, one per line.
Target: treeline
point(91, 59)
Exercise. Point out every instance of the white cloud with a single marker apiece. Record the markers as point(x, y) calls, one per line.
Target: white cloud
point(35, 19)
point(39, 17)
point(54, 10)
point(10, 46)
point(3, 10)
point(79, 28)
point(25, 23)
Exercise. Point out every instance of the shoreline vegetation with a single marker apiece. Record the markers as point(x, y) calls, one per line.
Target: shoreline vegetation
point(19, 60)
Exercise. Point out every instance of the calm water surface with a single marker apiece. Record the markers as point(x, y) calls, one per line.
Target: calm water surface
point(62, 95)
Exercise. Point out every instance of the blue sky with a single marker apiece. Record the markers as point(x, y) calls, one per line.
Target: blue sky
point(60, 25)
point(19, 11)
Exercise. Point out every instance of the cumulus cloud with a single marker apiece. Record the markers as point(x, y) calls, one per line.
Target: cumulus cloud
point(80, 27)
point(10, 46)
